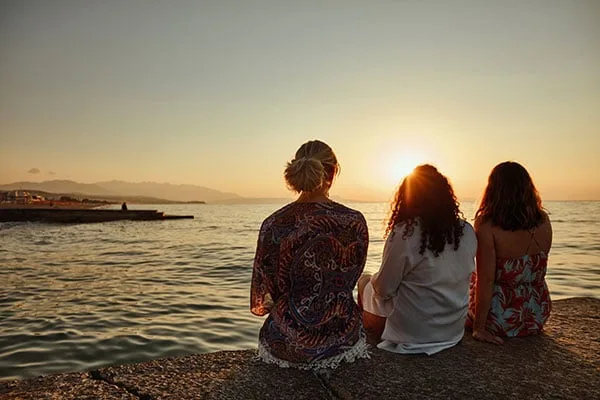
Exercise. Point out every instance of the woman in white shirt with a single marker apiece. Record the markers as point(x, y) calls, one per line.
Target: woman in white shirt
point(417, 302)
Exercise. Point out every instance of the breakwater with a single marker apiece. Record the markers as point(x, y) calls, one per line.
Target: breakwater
point(82, 215)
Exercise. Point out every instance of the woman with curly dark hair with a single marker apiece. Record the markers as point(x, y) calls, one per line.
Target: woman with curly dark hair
point(509, 295)
point(417, 302)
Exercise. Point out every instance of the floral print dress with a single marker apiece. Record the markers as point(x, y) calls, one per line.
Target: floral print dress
point(308, 259)
point(521, 301)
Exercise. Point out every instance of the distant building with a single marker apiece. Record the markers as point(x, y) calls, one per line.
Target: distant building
point(19, 197)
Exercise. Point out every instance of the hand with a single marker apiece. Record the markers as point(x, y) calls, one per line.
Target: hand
point(483, 335)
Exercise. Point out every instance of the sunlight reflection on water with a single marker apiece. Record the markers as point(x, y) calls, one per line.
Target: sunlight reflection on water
point(76, 297)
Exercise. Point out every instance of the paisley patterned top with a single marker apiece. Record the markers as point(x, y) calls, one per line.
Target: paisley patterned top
point(308, 259)
point(520, 301)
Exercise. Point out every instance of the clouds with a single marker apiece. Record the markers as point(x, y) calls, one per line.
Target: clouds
point(36, 171)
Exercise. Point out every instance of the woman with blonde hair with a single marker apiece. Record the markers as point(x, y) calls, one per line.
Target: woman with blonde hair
point(509, 295)
point(309, 255)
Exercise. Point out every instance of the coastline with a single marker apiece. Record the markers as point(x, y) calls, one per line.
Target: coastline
point(82, 215)
point(52, 204)
point(562, 363)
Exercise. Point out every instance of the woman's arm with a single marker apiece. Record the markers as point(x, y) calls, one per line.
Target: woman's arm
point(397, 256)
point(261, 300)
point(486, 274)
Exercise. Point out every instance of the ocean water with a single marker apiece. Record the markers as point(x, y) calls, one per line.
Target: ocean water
point(78, 297)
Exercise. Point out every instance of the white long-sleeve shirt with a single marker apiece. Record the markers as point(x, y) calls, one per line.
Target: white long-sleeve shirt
point(424, 298)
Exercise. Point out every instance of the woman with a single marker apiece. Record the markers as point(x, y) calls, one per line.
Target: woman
point(509, 295)
point(309, 256)
point(417, 302)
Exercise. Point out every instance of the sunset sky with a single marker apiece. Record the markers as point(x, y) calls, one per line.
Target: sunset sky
point(221, 93)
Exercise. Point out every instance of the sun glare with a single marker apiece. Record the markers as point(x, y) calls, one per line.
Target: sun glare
point(402, 164)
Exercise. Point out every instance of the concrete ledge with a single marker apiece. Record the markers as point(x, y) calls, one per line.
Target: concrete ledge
point(564, 363)
point(62, 386)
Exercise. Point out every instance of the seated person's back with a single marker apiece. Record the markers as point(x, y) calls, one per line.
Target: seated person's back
point(520, 243)
point(509, 294)
point(309, 256)
point(422, 286)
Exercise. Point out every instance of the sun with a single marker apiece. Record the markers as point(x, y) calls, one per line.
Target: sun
point(398, 166)
point(401, 168)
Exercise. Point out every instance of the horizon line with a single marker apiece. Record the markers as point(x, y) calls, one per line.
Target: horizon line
point(244, 197)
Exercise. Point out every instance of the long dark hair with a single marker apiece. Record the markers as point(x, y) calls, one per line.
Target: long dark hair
point(510, 200)
point(426, 197)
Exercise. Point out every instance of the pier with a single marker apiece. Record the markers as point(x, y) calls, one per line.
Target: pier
point(82, 215)
point(562, 363)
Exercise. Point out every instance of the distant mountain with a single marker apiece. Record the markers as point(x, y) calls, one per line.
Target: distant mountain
point(60, 186)
point(167, 191)
point(257, 200)
point(149, 192)
point(363, 194)
point(116, 189)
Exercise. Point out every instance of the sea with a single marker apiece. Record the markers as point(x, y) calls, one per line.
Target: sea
point(83, 296)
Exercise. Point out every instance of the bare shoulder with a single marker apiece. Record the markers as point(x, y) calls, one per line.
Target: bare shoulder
point(545, 218)
point(482, 225)
point(546, 226)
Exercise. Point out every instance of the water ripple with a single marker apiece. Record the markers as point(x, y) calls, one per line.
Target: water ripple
point(77, 297)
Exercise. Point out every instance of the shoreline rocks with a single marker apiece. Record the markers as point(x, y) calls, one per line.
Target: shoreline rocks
point(563, 363)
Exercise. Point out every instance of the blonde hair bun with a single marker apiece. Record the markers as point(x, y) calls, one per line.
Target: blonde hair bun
point(313, 166)
point(305, 174)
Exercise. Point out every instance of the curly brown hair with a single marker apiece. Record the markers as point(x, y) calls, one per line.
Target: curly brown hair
point(427, 198)
point(510, 200)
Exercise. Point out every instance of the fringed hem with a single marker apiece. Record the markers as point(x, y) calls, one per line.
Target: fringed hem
point(358, 350)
